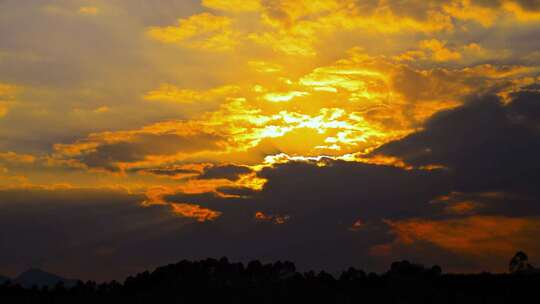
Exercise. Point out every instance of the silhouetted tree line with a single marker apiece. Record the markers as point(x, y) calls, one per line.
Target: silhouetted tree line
point(220, 281)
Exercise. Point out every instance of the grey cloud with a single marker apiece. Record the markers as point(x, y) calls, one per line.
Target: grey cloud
point(60, 229)
point(140, 146)
point(532, 5)
point(230, 172)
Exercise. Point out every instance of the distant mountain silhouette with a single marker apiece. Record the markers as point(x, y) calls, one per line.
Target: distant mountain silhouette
point(40, 278)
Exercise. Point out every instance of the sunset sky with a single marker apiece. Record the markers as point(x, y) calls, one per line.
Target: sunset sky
point(332, 133)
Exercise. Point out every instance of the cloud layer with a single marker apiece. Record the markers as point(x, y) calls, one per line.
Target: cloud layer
point(332, 133)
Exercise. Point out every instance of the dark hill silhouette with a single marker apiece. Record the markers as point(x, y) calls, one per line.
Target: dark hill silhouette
point(41, 278)
point(221, 281)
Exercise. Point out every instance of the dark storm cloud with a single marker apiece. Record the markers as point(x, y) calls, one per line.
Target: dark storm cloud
point(489, 146)
point(339, 192)
point(103, 235)
point(320, 205)
point(168, 171)
point(230, 172)
point(348, 190)
point(61, 229)
point(237, 191)
point(226, 171)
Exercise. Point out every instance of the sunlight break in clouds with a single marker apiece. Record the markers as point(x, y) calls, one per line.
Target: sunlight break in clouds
point(226, 116)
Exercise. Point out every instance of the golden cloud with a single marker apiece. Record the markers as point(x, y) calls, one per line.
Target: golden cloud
point(296, 27)
point(195, 211)
point(276, 219)
point(13, 157)
point(88, 10)
point(204, 31)
point(341, 111)
point(171, 93)
point(520, 12)
point(439, 51)
point(285, 96)
point(3, 109)
point(233, 5)
point(8, 93)
point(265, 67)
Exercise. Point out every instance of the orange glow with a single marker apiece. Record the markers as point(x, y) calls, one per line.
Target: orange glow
point(357, 225)
point(195, 212)
point(8, 95)
point(475, 235)
point(276, 219)
point(461, 207)
point(17, 158)
point(89, 10)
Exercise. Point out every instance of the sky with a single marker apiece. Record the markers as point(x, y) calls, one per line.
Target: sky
point(332, 133)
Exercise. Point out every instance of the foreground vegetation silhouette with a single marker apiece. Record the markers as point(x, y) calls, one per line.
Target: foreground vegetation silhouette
point(220, 281)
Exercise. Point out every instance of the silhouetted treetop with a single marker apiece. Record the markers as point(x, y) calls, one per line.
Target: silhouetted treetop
point(222, 281)
point(519, 263)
